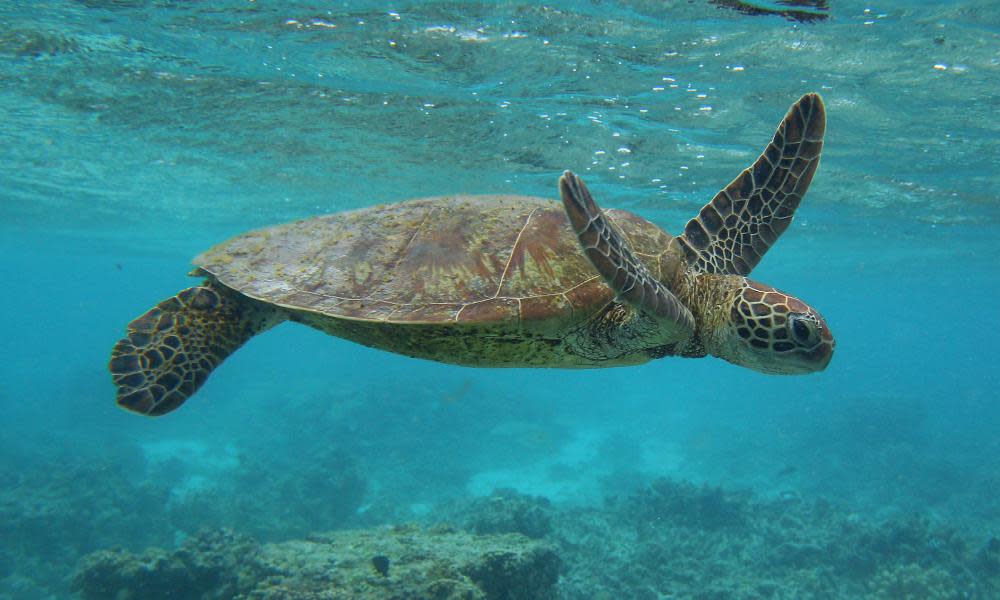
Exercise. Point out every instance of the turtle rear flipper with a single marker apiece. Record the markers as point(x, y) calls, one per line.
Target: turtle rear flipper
point(171, 350)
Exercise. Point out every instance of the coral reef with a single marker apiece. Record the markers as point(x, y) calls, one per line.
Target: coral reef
point(507, 511)
point(214, 564)
point(403, 562)
point(54, 509)
point(705, 507)
point(679, 540)
point(913, 582)
point(316, 495)
point(667, 540)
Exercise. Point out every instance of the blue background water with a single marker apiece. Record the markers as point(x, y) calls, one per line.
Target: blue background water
point(137, 133)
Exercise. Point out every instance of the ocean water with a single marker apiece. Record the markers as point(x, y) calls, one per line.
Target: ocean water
point(137, 133)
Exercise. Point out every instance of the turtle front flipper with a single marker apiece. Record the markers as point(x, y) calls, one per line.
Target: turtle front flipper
point(610, 254)
point(733, 231)
point(171, 350)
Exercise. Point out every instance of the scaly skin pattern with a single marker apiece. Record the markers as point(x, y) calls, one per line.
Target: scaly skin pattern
point(733, 232)
point(754, 325)
point(776, 332)
point(591, 343)
point(169, 351)
point(487, 346)
point(611, 255)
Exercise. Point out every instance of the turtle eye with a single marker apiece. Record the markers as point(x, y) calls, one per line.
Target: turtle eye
point(803, 329)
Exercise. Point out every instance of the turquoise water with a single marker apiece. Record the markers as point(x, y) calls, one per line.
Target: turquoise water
point(138, 133)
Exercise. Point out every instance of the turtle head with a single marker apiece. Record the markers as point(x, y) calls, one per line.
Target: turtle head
point(772, 332)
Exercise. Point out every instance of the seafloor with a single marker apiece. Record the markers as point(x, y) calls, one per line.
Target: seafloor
point(667, 539)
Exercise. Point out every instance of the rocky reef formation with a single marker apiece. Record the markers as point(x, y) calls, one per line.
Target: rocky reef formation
point(504, 511)
point(55, 509)
point(386, 564)
point(667, 539)
point(679, 540)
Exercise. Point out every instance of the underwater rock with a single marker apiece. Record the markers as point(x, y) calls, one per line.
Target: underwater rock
point(903, 582)
point(704, 507)
point(56, 508)
point(989, 556)
point(671, 539)
point(213, 564)
point(437, 563)
point(509, 511)
point(120, 574)
point(319, 494)
point(679, 540)
point(799, 555)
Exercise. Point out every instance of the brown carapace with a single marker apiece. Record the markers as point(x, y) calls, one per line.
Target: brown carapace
point(503, 281)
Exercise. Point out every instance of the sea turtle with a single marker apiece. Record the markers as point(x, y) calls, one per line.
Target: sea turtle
point(503, 281)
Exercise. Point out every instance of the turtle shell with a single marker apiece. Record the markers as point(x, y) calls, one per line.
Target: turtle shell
point(450, 259)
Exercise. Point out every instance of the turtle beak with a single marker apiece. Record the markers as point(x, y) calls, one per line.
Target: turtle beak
point(822, 355)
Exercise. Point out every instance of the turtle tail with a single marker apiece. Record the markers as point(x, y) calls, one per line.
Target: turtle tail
point(170, 351)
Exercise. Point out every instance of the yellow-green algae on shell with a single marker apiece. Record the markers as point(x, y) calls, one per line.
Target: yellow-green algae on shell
point(453, 259)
